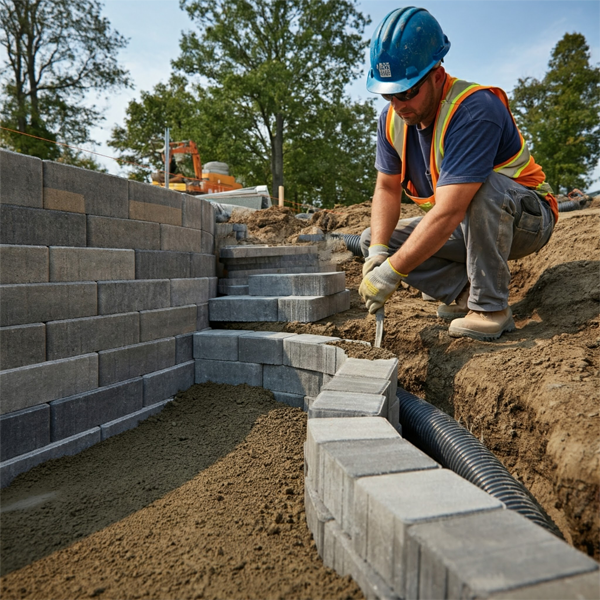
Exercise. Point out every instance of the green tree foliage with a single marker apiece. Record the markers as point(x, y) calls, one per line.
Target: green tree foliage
point(57, 51)
point(560, 115)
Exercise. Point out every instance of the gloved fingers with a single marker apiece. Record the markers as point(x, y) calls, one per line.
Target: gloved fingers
point(372, 262)
point(374, 305)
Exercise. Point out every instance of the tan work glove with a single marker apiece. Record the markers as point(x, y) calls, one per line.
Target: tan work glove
point(377, 255)
point(378, 285)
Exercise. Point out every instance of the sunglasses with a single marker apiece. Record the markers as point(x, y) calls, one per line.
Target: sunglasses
point(409, 94)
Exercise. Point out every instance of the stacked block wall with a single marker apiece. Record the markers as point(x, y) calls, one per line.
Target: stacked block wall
point(103, 282)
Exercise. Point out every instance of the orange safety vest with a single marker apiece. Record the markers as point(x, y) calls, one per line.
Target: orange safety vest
point(521, 167)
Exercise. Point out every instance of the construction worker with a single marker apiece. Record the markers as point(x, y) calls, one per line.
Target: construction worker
point(454, 148)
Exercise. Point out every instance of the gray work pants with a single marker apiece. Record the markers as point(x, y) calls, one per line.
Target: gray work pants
point(504, 221)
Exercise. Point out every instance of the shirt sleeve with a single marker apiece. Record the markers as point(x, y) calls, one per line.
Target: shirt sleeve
point(386, 160)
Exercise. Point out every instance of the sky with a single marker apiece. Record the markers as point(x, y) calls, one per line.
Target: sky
point(494, 42)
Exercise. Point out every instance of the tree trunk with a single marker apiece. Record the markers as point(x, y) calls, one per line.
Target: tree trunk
point(277, 154)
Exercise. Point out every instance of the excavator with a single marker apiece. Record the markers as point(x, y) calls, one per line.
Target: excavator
point(187, 175)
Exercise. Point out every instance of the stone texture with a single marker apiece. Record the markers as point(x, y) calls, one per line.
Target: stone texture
point(24, 430)
point(243, 308)
point(317, 284)
point(153, 203)
point(378, 369)
point(190, 291)
point(268, 345)
point(219, 344)
point(308, 309)
point(236, 252)
point(203, 265)
point(192, 211)
point(162, 265)
point(312, 352)
point(128, 296)
point(181, 239)
point(130, 421)
point(91, 264)
point(160, 385)
point(317, 516)
point(22, 345)
point(207, 243)
point(106, 232)
point(21, 178)
point(184, 348)
point(202, 321)
point(208, 217)
point(231, 372)
point(360, 385)
point(23, 264)
point(583, 587)
point(348, 404)
point(165, 322)
point(291, 380)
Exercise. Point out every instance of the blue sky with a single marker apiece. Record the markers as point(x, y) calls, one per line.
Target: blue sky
point(493, 42)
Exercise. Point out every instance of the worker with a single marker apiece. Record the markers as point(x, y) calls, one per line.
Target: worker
point(453, 147)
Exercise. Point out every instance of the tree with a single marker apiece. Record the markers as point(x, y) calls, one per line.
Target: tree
point(560, 115)
point(57, 51)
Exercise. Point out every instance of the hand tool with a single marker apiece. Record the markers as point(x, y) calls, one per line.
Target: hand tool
point(379, 314)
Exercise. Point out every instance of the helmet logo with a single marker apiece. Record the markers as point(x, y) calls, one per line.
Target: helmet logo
point(384, 69)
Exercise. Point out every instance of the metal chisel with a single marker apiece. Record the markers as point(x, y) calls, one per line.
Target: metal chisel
point(379, 314)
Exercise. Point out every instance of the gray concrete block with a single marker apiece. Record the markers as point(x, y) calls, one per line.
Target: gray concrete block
point(219, 344)
point(165, 322)
point(181, 239)
point(307, 309)
point(160, 385)
point(153, 203)
point(74, 414)
point(67, 447)
point(268, 345)
point(35, 384)
point(265, 270)
point(21, 178)
point(264, 251)
point(208, 217)
point(317, 516)
point(243, 308)
point(161, 265)
point(279, 378)
point(270, 262)
point(24, 430)
point(317, 284)
point(379, 369)
point(360, 385)
point(330, 404)
point(130, 421)
point(231, 372)
point(91, 264)
point(40, 302)
point(22, 345)
point(295, 400)
point(584, 587)
point(132, 361)
point(203, 265)
point(96, 193)
point(226, 289)
point(190, 291)
point(184, 348)
point(73, 337)
point(483, 554)
point(39, 227)
point(192, 211)
point(23, 264)
point(128, 296)
point(202, 320)
point(386, 505)
point(207, 243)
point(107, 232)
point(394, 415)
point(312, 352)
point(342, 301)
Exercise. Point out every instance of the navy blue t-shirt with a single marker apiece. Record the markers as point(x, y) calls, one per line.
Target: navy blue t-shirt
point(481, 134)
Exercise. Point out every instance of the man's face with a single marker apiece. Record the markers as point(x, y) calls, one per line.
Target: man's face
point(422, 108)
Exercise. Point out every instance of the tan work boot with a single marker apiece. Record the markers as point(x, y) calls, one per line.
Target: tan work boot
point(458, 309)
point(483, 325)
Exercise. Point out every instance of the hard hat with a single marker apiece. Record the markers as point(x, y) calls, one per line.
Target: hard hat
point(406, 45)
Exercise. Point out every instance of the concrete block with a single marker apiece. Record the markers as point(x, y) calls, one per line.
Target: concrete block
point(130, 421)
point(317, 516)
point(231, 372)
point(279, 378)
point(307, 309)
point(153, 203)
point(107, 232)
point(295, 400)
point(160, 385)
point(23, 463)
point(348, 404)
point(584, 587)
point(207, 243)
point(312, 352)
point(91, 264)
point(378, 369)
point(99, 193)
point(22, 345)
point(21, 178)
point(184, 348)
point(212, 287)
point(132, 361)
point(243, 308)
point(192, 211)
point(180, 239)
point(208, 217)
point(342, 301)
point(386, 505)
point(73, 337)
point(39, 227)
point(24, 430)
point(270, 262)
point(219, 344)
point(165, 322)
point(268, 345)
point(264, 251)
point(190, 291)
point(202, 320)
point(483, 554)
point(317, 284)
point(259, 269)
point(40, 302)
point(35, 384)
point(226, 289)
point(72, 415)
point(23, 264)
point(161, 265)
point(393, 415)
point(360, 385)
point(130, 296)
point(203, 265)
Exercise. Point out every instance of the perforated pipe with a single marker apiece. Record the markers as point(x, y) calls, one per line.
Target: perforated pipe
point(352, 242)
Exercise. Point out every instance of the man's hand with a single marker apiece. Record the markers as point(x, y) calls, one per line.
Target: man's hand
point(378, 253)
point(379, 285)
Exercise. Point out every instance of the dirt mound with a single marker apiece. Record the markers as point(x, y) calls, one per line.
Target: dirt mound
point(270, 226)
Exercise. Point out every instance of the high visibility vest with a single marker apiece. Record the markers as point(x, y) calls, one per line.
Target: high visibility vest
point(521, 167)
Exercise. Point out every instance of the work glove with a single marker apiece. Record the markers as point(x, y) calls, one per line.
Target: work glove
point(378, 285)
point(377, 255)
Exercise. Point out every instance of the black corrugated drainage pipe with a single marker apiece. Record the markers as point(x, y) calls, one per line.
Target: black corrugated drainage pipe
point(352, 242)
point(450, 444)
point(569, 205)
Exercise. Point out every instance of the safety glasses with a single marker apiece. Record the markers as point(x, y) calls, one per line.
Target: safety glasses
point(408, 94)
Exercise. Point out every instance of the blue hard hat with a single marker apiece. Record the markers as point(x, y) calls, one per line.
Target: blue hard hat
point(406, 45)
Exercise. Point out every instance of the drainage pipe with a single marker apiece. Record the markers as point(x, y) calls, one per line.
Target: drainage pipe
point(352, 242)
point(451, 445)
point(569, 205)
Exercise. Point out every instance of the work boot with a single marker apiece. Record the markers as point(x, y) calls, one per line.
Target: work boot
point(458, 309)
point(483, 325)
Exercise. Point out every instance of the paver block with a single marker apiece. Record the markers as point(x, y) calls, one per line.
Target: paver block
point(317, 516)
point(207, 243)
point(379, 369)
point(317, 284)
point(21, 178)
point(164, 384)
point(279, 378)
point(129, 296)
point(243, 308)
point(153, 203)
point(233, 290)
point(35, 384)
point(263, 251)
point(151, 264)
point(130, 421)
point(73, 337)
point(24, 430)
point(132, 361)
point(202, 320)
point(268, 345)
point(386, 505)
point(342, 301)
point(192, 211)
point(361, 385)
point(583, 587)
point(394, 415)
point(190, 291)
point(260, 269)
point(99, 193)
point(107, 232)
point(313, 353)
point(219, 344)
point(308, 309)
point(203, 265)
point(184, 348)
point(180, 239)
point(91, 264)
point(270, 262)
point(22, 345)
point(67, 447)
point(294, 400)
point(231, 372)
point(165, 322)
point(74, 414)
point(348, 404)
point(39, 227)
point(208, 217)
point(23, 264)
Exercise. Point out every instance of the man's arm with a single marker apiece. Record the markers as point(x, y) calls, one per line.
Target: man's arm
point(386, 207)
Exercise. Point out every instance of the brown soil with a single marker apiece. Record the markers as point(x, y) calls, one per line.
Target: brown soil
point(204, 500)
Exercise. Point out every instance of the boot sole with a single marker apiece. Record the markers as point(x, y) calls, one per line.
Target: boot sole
point(451, 317)
point(478, 335)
